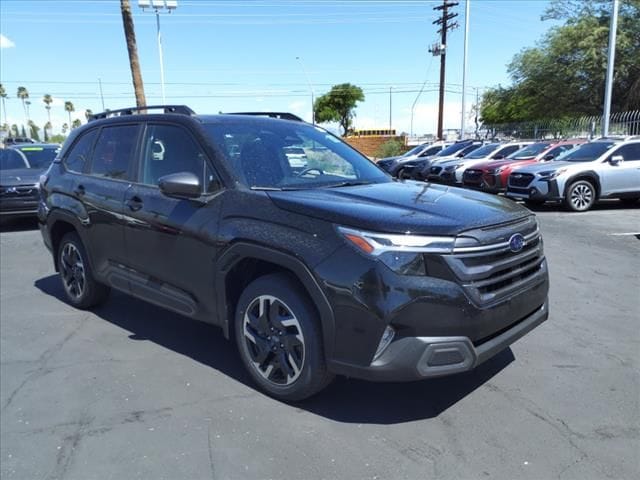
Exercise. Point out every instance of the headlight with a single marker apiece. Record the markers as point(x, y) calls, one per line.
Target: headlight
point(401, 253)
point(451, 168)
point(551, 174)
point(495, 171)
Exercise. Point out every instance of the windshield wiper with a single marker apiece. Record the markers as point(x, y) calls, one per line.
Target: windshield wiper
point(274, 189)
point(346, 184)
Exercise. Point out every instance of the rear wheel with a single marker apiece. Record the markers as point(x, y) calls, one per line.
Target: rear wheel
point(279, 340)
point(581, 196)
point(80, 287)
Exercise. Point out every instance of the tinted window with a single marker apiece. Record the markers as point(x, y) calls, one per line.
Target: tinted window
point(39, 157)
point(414, 151)
point(588, 152)
point(530, 151)
point(114, 151)
point(508, 150)
point(169, 149)
point(630, 152)
point(431, 151)
point(263, 163)
point(77, 157)
point(484, 151)
point(469, 149)
point(10, 159)
point(451, 149)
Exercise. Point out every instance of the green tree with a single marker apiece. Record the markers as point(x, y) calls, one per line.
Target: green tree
point(48, 100)
point(23, 94)
point(46, 130)
point(68, 107)
point(564, 75)
point(34, 131)
point(3, 97)
point(65, 127)
point(57, 138)
point(76, 123)
point(88, 113)
point(390, 148)
point(23, 132)
point(14, 130)
point(338, 105)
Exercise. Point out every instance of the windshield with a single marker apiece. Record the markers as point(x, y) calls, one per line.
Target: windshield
point(451, 149)
point(40, 157)
point(11, 159)
point(587, 152)
point(414, 151)
point(529, 152)
point(256, 153)
point(483, 151)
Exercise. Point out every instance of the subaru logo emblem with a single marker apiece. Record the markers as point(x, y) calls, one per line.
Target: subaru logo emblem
point(516, 243)
point(517, 175)
point(12, 190)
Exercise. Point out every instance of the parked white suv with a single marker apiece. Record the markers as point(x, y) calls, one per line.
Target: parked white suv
point(604, 168)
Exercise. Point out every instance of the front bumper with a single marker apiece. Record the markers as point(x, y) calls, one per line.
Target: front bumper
point(19, 207)
point(415, 358)
point(538, 189)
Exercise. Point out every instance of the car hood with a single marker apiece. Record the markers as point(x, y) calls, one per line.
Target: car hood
point(501, 163)
point(20, 176)
point(546, 166)
point(389, 159)
point(401, 207)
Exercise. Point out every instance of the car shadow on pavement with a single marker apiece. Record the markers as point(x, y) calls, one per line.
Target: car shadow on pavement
point(345, 400)
point(18, 225)
point(602, 205)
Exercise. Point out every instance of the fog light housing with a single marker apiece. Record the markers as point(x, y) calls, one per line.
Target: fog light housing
point(533, 191)
point(387, 336)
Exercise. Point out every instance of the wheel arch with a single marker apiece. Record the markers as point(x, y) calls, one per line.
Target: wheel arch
point(259, 260)
point(59, 224)
point(590, 176)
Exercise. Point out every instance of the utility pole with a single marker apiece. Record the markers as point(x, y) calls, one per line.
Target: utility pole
point(610, 64)
point(390, 110)
point(445, 25)
point(464, 67)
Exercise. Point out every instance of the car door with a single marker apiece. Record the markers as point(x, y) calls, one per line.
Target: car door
point(101, 191)
point(170, 242)
point(623, 177)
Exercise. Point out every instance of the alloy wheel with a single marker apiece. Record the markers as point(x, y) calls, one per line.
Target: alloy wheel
point(274, 340)
point(72, 271)
point(581, 196)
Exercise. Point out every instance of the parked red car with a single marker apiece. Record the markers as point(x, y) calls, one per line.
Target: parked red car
point(492, 176)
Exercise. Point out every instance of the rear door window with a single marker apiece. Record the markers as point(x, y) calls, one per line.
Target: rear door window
point(79, 154)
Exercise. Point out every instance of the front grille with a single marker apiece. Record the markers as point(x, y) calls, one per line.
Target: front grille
point(18, 191)
point(472, 176)
point(490, 273)
point(521, 191)
point(436, 170)
point(520, 179)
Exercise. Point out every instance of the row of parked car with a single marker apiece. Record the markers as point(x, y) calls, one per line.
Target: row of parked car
point(576, 172)
point(21, 165)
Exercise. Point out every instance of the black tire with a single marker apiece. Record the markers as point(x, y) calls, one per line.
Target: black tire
point(80, 287)
point(580, 196)
point(291, 369)
point(402, 175)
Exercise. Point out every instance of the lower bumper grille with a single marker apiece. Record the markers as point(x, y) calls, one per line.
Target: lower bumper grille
point(520, 179)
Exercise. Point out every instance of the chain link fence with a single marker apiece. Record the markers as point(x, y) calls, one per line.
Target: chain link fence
point(622, 123)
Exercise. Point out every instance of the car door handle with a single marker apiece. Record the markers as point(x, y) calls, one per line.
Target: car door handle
point(79, 190)
point(134, 204)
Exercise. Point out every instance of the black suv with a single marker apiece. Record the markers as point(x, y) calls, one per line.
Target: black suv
point(333, 269)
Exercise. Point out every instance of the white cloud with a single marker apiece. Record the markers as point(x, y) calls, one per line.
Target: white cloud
point(5, 42)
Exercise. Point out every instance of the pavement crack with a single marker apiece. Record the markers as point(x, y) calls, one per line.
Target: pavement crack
point(213, 471)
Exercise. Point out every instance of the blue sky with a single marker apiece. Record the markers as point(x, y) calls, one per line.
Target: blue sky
point(239, 55)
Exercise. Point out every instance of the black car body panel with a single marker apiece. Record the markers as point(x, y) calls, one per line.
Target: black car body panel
point(195, 255)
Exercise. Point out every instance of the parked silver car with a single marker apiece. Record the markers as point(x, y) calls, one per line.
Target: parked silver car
point(604, 168)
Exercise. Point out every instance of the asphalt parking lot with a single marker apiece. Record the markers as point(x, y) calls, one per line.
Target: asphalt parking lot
point(130, 391)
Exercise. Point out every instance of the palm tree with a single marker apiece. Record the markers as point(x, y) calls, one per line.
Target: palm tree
point(88, 113)
point(3, 96)
point(76, 123)
point(130, 36)
point(48, 100)
point(65, 127)
point(23, 94)
point(47, 130)
point(68, 107)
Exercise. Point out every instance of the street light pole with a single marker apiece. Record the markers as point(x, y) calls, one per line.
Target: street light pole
point(313, 114)
point(610, 64)
point(157, 6)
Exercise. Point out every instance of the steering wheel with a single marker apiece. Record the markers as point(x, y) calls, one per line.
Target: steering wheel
point(309, 170)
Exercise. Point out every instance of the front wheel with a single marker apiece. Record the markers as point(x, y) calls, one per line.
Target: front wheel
point(278, 336)
point(581, 196)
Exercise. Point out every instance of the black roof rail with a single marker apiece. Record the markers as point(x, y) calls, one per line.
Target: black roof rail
point(281, 115)
point(180, 109)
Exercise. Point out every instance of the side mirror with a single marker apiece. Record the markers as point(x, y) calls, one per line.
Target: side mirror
point(181, 185)
point(460, 155)
point(548, 157)
point(497, 156)
point(616, 159)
